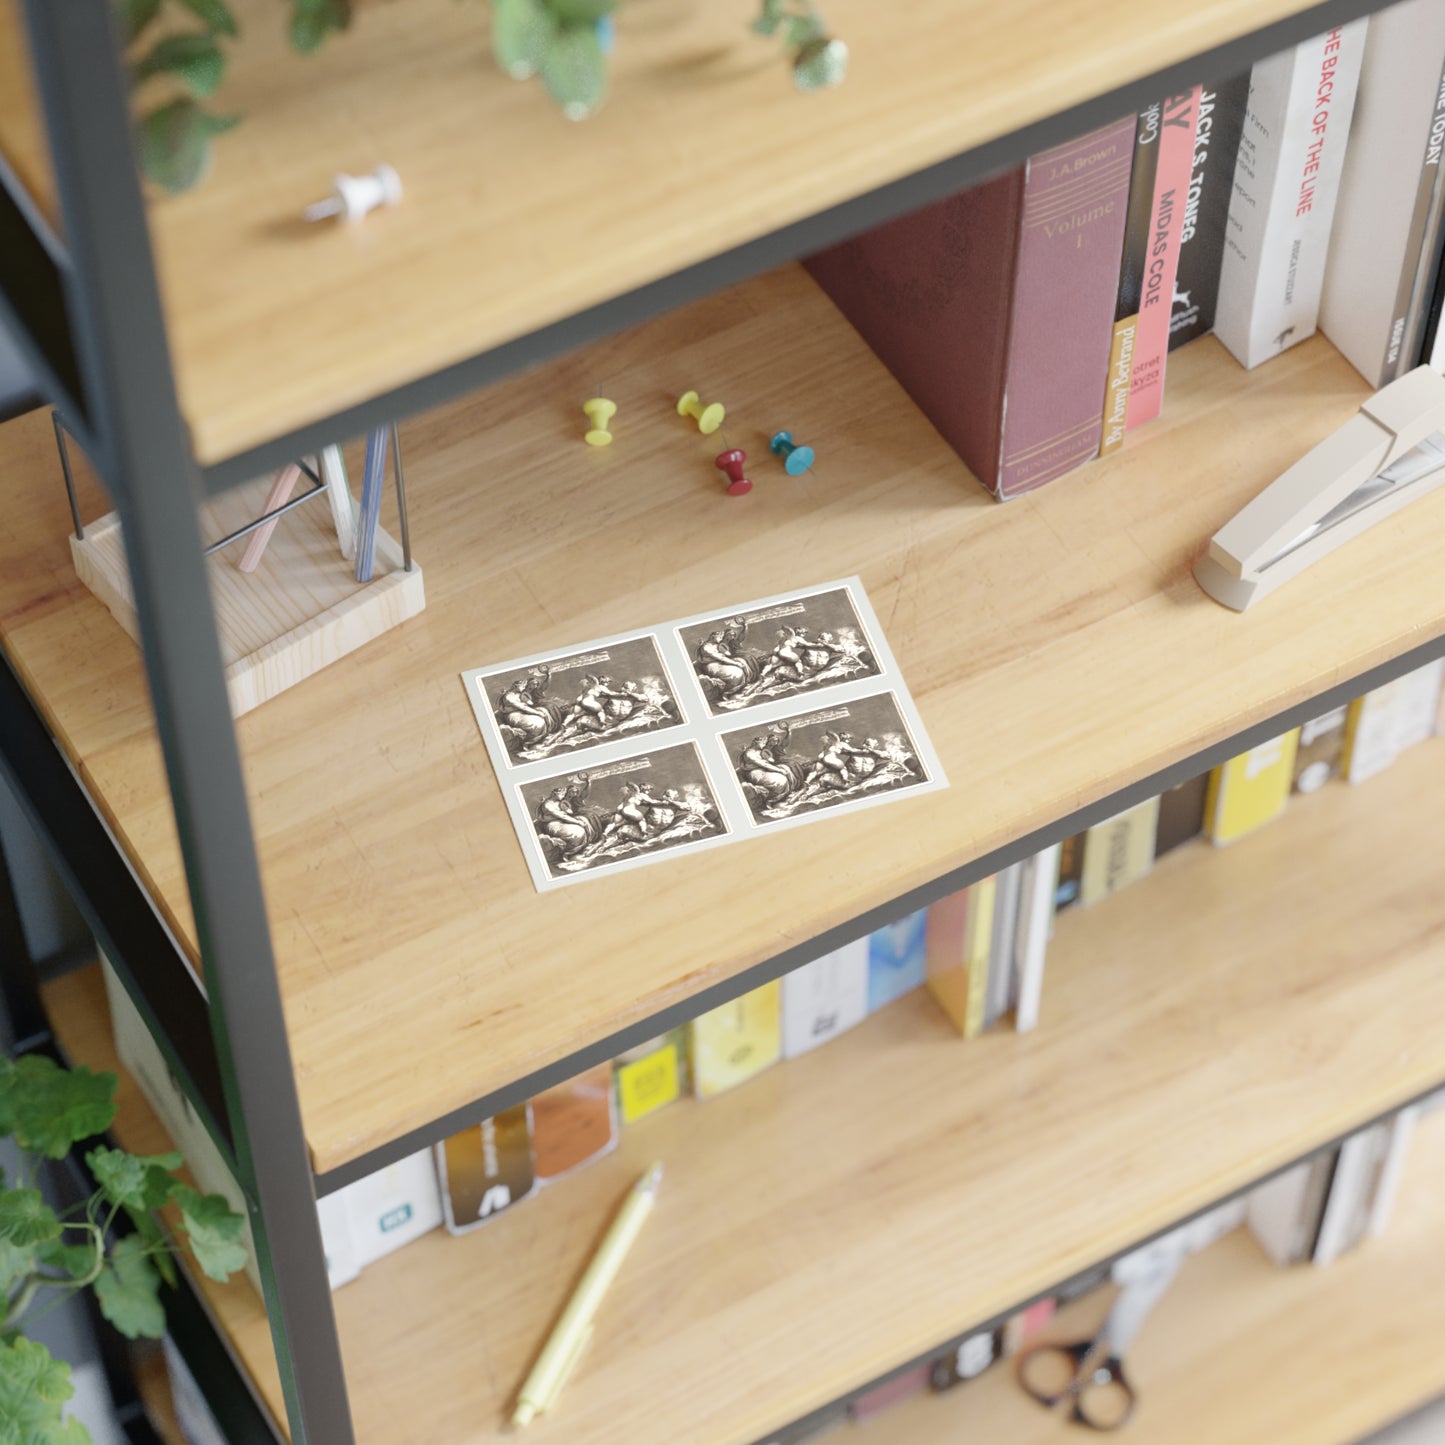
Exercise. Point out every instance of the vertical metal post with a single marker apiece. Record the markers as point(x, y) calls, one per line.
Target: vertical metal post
point(144, 454)
point(19, 972)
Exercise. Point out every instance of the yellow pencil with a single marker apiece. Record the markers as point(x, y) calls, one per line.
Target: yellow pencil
point(572, 1331)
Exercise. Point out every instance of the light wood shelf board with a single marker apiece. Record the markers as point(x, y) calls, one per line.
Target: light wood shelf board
point(1243, 1351)
point(847, 1211)
point(1058, 648)
point(514, 217)
point(153, 1383)
point(22, 128)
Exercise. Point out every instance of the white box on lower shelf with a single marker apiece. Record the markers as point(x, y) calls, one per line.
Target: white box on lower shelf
point(359, 1223)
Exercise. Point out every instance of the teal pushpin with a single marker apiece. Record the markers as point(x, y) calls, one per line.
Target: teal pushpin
point(796, 460)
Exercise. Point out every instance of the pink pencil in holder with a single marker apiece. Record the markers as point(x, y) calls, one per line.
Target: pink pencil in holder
point(280, 494)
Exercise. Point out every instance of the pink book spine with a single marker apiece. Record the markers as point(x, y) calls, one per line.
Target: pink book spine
point(1171, 191)
point(1070, 239)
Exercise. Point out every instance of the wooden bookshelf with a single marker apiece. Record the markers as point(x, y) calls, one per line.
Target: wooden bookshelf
point(703, 145)
point(1058, 648)
point(848, 1211)
point(23, 146)
point(1243, 1351)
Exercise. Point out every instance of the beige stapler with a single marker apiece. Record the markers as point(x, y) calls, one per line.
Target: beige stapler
point(1390, 453)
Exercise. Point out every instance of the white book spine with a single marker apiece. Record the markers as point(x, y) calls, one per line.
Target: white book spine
point(1387, 1186)
point(1352, 1175)
point(1387, 190)
point(1036, 918)
point(1002, 945)
point(824, 998)
point(1286, 182)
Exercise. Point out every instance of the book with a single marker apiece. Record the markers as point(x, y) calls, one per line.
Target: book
point(1023, 1324)
point(1206, 209)
point(1129, 292)
point(897, 962)
point(825, 998)
point(1400, 1130)
point(960, 937)
point(966, 1362)
point(1342, 1223)
point(892, 1392)
point(1388, 189)
point(573, 1123)
point(1284, 1213)
point(1251, 790)
point(1321, 750)
point(486, 1169)
point(1177, 125)
point(1038, 889)
point(1002, 979)
point(1118, 851)
point(650, 1076)
point(1386, 720)
point(1071, 870)
point(993, 307)
point(1181, 814)
point(737, 1040)
point(1286, 180)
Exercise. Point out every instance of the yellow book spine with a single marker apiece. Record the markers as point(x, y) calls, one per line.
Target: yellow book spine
point(734, 1042)
point(979, 945)
point(648, 1080)
point(946, 951)
point(1251, 790)
point(1116, 396)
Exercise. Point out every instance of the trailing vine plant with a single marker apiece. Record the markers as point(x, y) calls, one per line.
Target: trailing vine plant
point(45, 1256)
point(182, 69)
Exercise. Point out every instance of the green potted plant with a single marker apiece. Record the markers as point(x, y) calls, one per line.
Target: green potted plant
point(46, 1256)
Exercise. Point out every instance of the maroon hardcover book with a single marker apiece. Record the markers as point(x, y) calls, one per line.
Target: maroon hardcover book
point(995, 307)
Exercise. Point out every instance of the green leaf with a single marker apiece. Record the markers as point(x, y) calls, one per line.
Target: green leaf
point(25, 1218)
point(33, 1390)
point(135, 15)
point(574, 70)
point(820, 63)
point(769, 17)
point(313, 20)
point(215, 15)
point(9, 1086)
point(581, 12)
point(52, 1108)
point(522, 31)
point(74, 1261)
point(175, 145)
point(16, 1261)
point(128, 1290)
point(804, 30)
point(215, 1231)
point(133, 1180)
point(195, 60)
point(156, 1241)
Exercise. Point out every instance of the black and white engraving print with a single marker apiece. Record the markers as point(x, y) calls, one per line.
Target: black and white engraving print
point(596, 817)
point(580, 700)
point(790, 648)
point(827, 758)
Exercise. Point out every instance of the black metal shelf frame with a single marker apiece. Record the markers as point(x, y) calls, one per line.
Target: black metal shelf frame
point(88, 316)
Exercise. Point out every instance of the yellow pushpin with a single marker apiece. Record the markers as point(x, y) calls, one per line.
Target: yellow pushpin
point(599, 411)
point(709, 418)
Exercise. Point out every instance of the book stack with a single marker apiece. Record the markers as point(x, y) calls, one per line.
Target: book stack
point(1031, 317)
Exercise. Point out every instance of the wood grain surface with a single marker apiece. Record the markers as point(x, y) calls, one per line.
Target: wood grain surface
point(849, 1210)
point(1057, 647)
point(514, 217)
point(1243, 1351)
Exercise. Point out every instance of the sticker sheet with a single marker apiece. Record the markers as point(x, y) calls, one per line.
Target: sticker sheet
point(701, 731)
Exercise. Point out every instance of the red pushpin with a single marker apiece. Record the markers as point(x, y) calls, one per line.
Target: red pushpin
point(731, 462)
